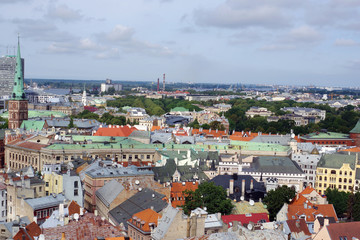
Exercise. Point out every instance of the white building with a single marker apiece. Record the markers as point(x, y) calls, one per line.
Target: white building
point(3, 202)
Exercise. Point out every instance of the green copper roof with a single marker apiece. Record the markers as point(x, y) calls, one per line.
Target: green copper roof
point(327, 135)
point(257, 146)
point(179, 109)
point(336, 161)
point(32, 125)
point(18, 90)
point(356, 129)
point(38, 113)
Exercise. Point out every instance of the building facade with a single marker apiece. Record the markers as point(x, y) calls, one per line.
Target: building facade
point(7, 74)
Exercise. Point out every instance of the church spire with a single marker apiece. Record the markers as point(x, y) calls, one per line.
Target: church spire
point(18, 90)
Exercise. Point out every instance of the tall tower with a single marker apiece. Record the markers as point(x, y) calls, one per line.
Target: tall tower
point(83, 99)
point(18, 104)
point(164, 83)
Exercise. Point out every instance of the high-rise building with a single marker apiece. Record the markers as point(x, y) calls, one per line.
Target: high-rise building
point(18, 104)
point(7, 74)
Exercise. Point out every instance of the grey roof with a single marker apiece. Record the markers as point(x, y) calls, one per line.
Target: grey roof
point(79, 123)
point(9, 225)
point(140, 134)
point(45, 202)
point(212, 221)
point(301, 109)
point(97, 171)
point(275, 164)
point(161, 138)
point(306, 147)
point(275, 139)
point(165, 222)
point(184, 139)
point(109, 192)
point(142, 200)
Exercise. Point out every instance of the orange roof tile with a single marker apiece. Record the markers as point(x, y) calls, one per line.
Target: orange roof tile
point(115, 131)
point(177, 189)
point(210, 132)
point(155, 128)
point(31, 145)
point(30, 232)
point(244, 136)
point(143, 219)
point(311, 211)
point(356, 149)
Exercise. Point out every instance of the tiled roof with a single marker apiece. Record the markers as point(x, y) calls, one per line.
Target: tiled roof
point(109, 192)
point(209, 132)
point(298, 226)
point(311, 211)
point(245, 218)
point(87, 227)
point(30, 232)
point(177, 189)
point(337, 160)
point(350, 230)
point(31, 145)
point(355, 149)
point(32, 125)
point(73, 208)
point(115, 131)
point(142, 220)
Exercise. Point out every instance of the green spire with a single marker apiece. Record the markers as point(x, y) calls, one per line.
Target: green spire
point(18, 90)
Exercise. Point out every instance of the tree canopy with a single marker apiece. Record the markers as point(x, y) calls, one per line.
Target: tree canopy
point(210, 196)
point(275, 199)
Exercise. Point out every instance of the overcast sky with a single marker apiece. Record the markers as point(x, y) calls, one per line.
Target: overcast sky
point(233, 41)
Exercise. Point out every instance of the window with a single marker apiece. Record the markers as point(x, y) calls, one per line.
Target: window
point(40, 189)
point(76, 184)
point(46, 184)
point(47, 193)
point(76, 193)
point(10, 198)
point(55, 182)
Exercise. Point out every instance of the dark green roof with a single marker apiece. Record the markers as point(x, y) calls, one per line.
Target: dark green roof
point(32, 125)
point(356, 129)
point(337, 160)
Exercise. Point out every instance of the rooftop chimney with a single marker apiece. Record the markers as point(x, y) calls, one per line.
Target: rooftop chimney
point(243, 188)
point(251, 184)
point(231, 186)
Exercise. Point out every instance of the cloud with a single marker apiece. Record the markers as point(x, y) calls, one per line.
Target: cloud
point(64, 13)
point(122, 37)
point(241, 14)
point(353, 64)
point(346, 42)
point(41, 30)
point(303, 34)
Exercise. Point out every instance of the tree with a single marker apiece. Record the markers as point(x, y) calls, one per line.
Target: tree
point(275, 199)
point(71, 123)
point(210, 196)
point(217, 125)
point(339, 199)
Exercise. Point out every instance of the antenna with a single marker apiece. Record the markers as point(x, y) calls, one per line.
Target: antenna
point(164, 82)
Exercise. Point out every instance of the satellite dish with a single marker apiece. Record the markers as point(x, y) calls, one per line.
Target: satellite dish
point(250, 226)
point(251, 202)
point(140, 189)
point(137, 182)
point(76, 216)
point(242, 198)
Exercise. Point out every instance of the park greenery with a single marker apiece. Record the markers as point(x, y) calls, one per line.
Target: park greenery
point(275, 199)
point(210, 196)
point(345, 203)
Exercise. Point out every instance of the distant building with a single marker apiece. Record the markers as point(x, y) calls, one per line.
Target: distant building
point(306, 112)
point(108, 84)
point(7, 74)
point(258, 111)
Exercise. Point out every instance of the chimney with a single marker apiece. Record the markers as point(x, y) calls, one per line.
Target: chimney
point(251, 184)
point(243, 188)
point(95, 213)
point(231, 186)
point(63, 236)
point(61, 212)
point(326, 222)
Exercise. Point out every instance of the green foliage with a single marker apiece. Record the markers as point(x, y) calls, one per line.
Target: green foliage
point(275, 199)
point(217, 125)
point(210, 196)
point(110, 119)
point(339, 199)
point(71, 123)
point(86, 114)
point(195, 124)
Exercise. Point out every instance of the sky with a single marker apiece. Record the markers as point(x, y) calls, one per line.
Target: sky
point(286, 42)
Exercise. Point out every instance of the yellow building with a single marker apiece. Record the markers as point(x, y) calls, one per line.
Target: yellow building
point(336, 171)
point(53, 183)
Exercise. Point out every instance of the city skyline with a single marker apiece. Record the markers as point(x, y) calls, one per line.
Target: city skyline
point(285, 42)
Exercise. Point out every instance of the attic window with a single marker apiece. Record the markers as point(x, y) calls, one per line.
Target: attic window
point(38, 140)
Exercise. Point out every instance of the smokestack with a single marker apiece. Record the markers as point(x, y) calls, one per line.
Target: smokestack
point(158, 85)
point(243, 188)
point(164, 83)
point(231, 186)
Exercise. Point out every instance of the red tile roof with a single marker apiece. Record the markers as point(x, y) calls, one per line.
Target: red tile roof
point(73, 208)
point(30, 232)
point(298, 226)
point(31, 145)
point(88, 227)
point(209, 132)
point(177, 189)
point(348, 230)
point(245, 218)
point(115, 131)
point(311, 211)
point(143, 219)
point(356, 149)
point(244, 136)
